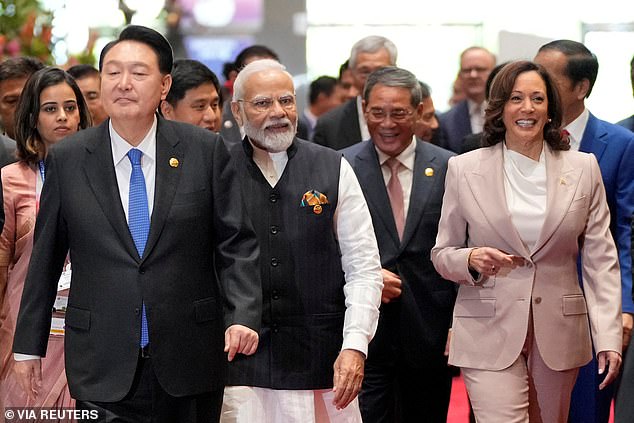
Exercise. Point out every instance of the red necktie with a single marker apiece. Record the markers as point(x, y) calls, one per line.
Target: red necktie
point(395, 192)
point(565, 136)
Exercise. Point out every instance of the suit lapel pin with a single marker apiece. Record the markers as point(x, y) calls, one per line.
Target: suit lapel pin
point(562, 181)
point(429, 171)
point(174, 162)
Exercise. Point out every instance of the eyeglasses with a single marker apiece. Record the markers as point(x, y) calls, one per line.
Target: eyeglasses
point(363, 72)
point(467, 71)
point(264, 104)
point(397, 115)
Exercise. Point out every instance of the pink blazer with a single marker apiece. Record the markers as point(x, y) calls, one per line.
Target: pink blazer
point(491, 314)
point(16, 245)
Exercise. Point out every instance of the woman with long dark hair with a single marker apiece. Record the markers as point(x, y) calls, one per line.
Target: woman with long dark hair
point(516, 217)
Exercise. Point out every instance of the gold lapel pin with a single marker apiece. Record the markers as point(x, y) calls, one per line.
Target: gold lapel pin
point(562, 181)
point(429, 172)
point(174, 162)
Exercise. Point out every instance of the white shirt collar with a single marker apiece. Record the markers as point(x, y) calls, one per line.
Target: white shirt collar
point(476, 107)
point(261, 154)
point(120, 146)
point(407, 156)
point(577, 127)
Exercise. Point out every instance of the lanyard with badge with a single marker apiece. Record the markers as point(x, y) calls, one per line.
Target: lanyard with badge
point(39, 184)
point(61, 301)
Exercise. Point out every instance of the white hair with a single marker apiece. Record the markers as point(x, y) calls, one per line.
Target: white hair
point(252, 68)
point(372, 44)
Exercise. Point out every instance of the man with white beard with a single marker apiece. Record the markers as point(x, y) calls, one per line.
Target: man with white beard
point(320, 268)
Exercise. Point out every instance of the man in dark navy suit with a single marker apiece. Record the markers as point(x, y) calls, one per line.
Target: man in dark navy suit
point(165, 274)
point(346, 125)
point(407, 377)
point(467, 117)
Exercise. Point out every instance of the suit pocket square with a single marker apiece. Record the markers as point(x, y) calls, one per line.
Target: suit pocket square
point(313, 197)
point(315, 200)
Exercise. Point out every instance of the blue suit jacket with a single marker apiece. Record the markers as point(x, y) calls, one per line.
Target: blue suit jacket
point(627, 123)
point(613, 147)
point(455, 124)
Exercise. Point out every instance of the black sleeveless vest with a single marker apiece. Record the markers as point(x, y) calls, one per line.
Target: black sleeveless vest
point(302, 278)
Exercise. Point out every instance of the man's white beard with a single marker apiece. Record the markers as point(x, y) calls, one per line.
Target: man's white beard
point(273, 143)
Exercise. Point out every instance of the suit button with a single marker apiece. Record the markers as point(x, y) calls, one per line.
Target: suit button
point(275, 328)
point(538, 300)
point(274, 197)
point(137, 311)
point(275, 262)
point(274, 229)
point(141, 270)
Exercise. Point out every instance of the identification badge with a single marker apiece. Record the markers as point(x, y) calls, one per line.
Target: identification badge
point(64, 279)
point(57, 326)
point(60, 304)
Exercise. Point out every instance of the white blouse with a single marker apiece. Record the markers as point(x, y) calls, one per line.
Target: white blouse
point(525, 189)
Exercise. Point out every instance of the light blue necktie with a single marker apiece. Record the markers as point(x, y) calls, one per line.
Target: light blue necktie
point(139, 220)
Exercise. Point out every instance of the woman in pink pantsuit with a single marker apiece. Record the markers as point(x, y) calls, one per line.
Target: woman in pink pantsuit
point(50, 108)
point(516, 216)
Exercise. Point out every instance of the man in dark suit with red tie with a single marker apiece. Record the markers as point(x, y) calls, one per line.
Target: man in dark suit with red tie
point(165, 274)
point(407, 377)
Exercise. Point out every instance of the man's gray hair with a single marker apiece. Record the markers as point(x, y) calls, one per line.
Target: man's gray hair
point(252, 68)
point(394, 77)
point(372, 44)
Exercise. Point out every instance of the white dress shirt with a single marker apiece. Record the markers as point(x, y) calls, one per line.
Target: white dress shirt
point(576, 128)
point(123, 170)
point(525, 190)
point(123, 167)
point(476, 115)
point(405, 172)
point(359, 252)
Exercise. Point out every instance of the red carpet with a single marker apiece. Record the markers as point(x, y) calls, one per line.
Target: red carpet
point(459, 405)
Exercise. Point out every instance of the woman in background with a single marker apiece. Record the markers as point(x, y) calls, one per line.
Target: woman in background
point(516, 217)
point(50, 108)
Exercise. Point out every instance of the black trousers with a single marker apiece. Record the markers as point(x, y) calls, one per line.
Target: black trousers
point(147, 402)
point(394, 392)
